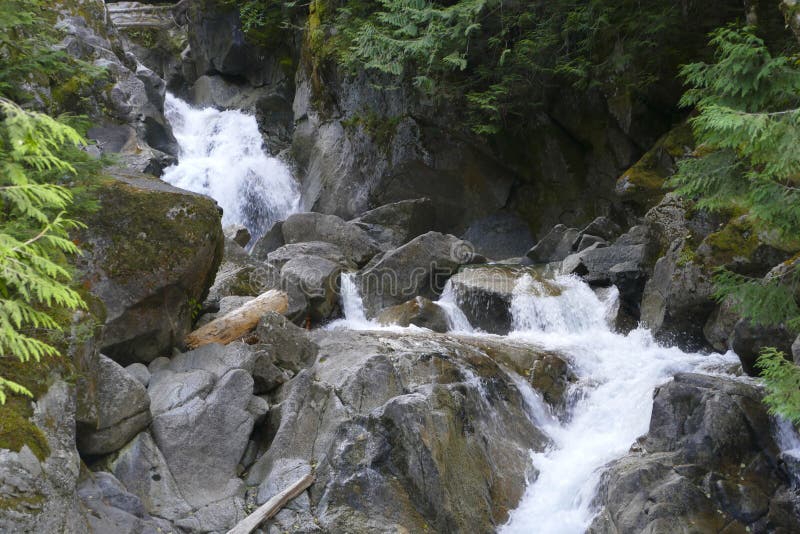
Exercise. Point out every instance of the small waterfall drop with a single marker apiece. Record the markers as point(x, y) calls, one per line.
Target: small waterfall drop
point(456, 319)
point(352, 305)
point(617, 375)
point(222, 156)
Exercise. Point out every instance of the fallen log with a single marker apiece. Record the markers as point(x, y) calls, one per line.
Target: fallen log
point(272, 506)
point(239, 322)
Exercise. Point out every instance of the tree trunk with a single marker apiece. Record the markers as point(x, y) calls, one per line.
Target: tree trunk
point(239, 322)
point(272, 506)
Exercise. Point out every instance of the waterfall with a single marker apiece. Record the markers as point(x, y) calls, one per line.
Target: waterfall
point(617, 376)
point(352, 305)
point(456, 320)
point(222, 156)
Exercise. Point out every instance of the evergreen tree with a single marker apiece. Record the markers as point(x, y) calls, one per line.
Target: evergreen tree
point(748, 129)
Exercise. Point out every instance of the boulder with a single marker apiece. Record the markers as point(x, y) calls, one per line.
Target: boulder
point(140, 372)
point(677, 300)
point(113, 509)
point(627, 264)
point(500, 236)
point(747, 340)
point(484, 294)
point(39, 472)
point(317, 279)
point(203, 431)
point(718, 330)
point(353, 240)
point(149, 295)
point(239, 274)
point(123, 409)
point(416, 432)
point(395, 224)
point(141, 467)
point(707, 435)
point(269, 242)
point(419, 311)
point(283, 350)
point(421, 267)
point(603, 228)
point(555, 245)
point(238, 234)
point(320, 249)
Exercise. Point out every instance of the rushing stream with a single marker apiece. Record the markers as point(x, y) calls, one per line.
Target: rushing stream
point(222, 156)
point(612, 399)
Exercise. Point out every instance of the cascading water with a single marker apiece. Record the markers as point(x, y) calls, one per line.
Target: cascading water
point(617, 375)
point(222, 156)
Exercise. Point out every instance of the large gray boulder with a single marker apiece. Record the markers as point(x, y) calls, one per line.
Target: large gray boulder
point(149, 295)
point(484, 294)
point(203, 431)
point(395, 224)
point(707, 436)
point(123, 409)
point(317, 279)
point(421, 267)
point(320, 249)
point(555, 245)
point(111, 508)
point(416, 432)
point(353, 240)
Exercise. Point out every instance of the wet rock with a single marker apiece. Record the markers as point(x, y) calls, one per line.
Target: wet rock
point(148, 294)
point(420, 312)
point(238, 234)
point(421, 267)
point(500, 236)
point(555, 246)
point(484, 294)
point(551, 376)
point(353, 241)
point(718, 330)
point(707, 435)
point(678, 300)
point(395, 224)
point(123, 410)
point(409, 432)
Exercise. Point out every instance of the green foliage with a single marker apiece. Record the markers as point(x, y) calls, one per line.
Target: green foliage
point(748, 129)
point(33, 233)
point(42, 166)
point(782, 379)
point(503, 55)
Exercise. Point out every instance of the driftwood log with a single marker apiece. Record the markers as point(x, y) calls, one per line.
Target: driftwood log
point(272, 506)
point(239, 322)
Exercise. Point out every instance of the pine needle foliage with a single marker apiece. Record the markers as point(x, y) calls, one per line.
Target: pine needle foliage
point(748, 129)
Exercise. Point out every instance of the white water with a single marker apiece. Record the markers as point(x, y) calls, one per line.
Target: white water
point(617, 377)
point(222, 156)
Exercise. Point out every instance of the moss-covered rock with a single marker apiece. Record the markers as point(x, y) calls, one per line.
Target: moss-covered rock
point(150, 253)
point(642, 186)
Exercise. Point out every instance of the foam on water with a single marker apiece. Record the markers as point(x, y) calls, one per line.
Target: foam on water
point(222, 156)
point(617, 376)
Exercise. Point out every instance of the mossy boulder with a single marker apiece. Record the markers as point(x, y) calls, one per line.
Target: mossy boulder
point(151, 252)
point(642, 186)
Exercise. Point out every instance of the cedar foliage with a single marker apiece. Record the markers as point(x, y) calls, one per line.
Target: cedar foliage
point(748, 129)
point(39, 157)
